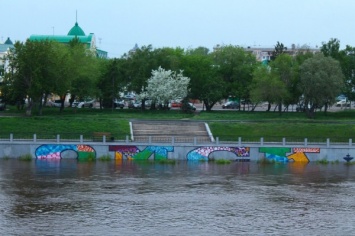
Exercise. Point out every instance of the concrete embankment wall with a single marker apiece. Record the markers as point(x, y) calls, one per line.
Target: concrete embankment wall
point(131, 150)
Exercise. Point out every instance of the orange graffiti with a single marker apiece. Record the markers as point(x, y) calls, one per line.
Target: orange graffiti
point(85, 148)
point(118, 156)
point(298, 157)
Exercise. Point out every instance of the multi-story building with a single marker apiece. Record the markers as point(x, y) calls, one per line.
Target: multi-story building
point(75, 32)
point(264, 54)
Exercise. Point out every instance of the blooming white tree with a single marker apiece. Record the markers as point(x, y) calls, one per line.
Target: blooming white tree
point(164, 86)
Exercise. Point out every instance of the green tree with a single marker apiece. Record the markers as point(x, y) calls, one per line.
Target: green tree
point(33, 67)
point(267, 86)
point(235, 66)
point(286, 68)
point(321, 79)
point(84, 68)
point(348, 68)
point(331, 48)
point(111, 81)
point(205, 84)
point(279, 49)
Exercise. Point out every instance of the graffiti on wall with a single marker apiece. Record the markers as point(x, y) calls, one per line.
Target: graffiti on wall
point(202, 153)
point(279, 154)
point(132, 152)
point(54, 151)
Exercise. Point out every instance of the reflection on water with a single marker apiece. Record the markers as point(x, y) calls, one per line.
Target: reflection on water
point(189, 198)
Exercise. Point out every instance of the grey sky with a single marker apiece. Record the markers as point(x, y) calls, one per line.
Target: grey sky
point(120, 24)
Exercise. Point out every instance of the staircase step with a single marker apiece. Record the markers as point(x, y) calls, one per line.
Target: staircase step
point(164, 131)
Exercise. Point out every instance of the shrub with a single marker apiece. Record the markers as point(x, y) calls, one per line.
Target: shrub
point(105, 158)
point(26, 157)
point(323, 161)
point(167, 161)
point(223, 161)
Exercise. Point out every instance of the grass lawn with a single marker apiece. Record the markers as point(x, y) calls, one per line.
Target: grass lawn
point(227, 125)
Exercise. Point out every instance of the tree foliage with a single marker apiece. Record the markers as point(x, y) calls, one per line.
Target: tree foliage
point(165, 85)
point(205, 85)
point(286, 69)
point(235, 66)
point(279, 49)
point(267, 86)
point(321, 80)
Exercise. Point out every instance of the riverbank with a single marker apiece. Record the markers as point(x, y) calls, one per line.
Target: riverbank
point(227, 125)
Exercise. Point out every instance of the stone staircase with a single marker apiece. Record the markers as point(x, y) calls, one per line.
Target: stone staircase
point(170, 132)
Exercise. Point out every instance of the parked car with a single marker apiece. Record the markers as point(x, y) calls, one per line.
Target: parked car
point(231, 105)
point(75, 104)
point(343, 103)
point(176, 104)
point(134, 104)
point(87, 103)
point(341, 97)
point(129, 97)
point(138, 104)
point(119, 104)
point(2, 105)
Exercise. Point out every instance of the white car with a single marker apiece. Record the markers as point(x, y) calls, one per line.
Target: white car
point(89, 103)
point(343, 103)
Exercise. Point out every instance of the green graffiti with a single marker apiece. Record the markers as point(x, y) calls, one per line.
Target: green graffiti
point(85, 156)
point(160, 153)
point(279, 151)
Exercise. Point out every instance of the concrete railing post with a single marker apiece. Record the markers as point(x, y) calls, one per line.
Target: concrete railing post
point(328, 142)
point(283, 141)
point(81, 138)
point(262, 141)
point(150, 139)
point(34, 138)
point(11, 137)
point(350, 142)
point(104, 138)
point(172, 140)
point(58, 138)
point(239, 141)
point(127, 139)
point(305, 142)
point(217, 140)
point(195, 141)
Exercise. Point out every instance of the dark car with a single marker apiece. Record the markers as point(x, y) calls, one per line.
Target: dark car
point(2, 105)
point(231, 105)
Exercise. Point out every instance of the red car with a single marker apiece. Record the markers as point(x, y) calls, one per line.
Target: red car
point(176, 104)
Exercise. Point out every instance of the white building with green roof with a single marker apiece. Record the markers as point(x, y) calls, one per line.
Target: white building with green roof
point(75, 32)
point(4, 50)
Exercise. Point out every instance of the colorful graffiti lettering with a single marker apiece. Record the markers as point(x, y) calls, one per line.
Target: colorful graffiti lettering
point(202, 153)
point(132, 152)
point(279, 154)
point(53, 151)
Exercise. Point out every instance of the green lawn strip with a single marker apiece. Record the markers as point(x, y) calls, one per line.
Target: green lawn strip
point(275, 131)
point(65, 126)
point(227, 125)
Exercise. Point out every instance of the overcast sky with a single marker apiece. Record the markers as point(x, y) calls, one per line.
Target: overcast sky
point(119, 24)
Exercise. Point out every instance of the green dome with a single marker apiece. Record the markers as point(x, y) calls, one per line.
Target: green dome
point(76, 30)
point(8, 41)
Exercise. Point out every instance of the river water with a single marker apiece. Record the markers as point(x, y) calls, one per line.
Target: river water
point(188, 198)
